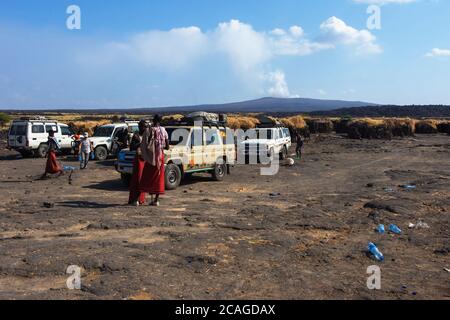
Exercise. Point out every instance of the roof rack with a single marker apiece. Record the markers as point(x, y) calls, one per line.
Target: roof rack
point(36, 118)
point(206, 119)
point(267, 122)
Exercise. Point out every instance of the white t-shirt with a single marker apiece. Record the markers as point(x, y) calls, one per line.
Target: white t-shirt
point(86, 146)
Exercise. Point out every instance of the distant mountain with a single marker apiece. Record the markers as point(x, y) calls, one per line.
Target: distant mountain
point(267, 105)
point(422, 111)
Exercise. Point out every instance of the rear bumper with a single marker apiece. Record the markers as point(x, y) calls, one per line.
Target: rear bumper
point(124, 167)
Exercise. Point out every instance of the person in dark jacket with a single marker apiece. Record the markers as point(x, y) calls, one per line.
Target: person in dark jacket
point(298, 149)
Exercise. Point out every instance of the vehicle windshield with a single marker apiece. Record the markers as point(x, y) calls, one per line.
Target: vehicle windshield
point(104, 132)
point(18, 130)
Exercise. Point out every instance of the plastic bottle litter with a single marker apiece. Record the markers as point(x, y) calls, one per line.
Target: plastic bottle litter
point(68, 168)
point(408, 186)
point(394, 229)
point(381, 229)
point(375, 252)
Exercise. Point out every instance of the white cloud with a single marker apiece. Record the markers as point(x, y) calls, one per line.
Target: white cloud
point(278, 32)
point(335, 31)
point(245, 47)
point(296, 31)
point(248, 51)
point(277, 85)
point(321, 92)
point(436, 52)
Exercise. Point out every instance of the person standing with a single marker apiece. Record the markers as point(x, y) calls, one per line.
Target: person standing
point(154, 142)
point(85, 148)
point(298, 149)
point(52, 165)
point(136, 197)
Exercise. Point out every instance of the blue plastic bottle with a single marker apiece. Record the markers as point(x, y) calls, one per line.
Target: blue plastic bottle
point(376, 253)
point(381, 229)
point(394, 229)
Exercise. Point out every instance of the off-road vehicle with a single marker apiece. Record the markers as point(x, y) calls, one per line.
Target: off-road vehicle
point(105, 138)
point(196, 145)
point(29, 136)
point(265, 142)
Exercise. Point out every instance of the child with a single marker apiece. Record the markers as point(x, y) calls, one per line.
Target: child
point(298, 150)
point(84, 151)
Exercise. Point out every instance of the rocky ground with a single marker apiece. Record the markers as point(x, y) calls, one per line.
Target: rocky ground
point(301, 234)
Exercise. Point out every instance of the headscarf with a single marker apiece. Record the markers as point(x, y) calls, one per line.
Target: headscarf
point(153, 144)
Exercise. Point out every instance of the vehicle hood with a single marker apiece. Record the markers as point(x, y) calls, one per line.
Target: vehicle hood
point(99, 139)
point(256, 141)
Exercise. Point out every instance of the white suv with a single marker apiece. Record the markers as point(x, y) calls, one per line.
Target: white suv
point(265, 142)
point(29, 137)
point(105, 136)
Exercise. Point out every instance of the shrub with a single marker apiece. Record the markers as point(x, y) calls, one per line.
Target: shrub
point(320, 125)
point(444, 127)
point(242, 122)
point(427, 126)
point(369, 129)
point(4, 119)
point(87, 126)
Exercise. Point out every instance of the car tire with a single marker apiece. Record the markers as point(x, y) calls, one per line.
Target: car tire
point(126, 179)
point(101, 153)
point(219, 172)
point(41, 152)
point(172, 176)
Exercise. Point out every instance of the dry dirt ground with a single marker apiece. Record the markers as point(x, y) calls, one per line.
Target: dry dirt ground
point(233, 239)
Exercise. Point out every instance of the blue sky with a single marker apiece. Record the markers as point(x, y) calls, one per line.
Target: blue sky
point(164, 53)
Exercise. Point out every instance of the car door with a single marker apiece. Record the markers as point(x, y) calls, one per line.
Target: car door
point(66, 137)
point(38, 135)
point(17, 137)
point(213, 149)
point(197, 139)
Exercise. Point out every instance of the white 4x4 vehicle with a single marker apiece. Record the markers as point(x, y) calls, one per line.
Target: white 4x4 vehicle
point(265, 143)
point(104, 138)
point(29, 137)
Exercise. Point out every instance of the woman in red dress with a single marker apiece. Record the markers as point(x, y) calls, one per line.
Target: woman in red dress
point(52, 166)
point(155, 141)
point(148, 169)
point(136, 197)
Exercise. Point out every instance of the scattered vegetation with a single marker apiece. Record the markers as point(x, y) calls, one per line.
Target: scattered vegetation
point(320, 125)
point(427, 126)
point(444, 127)
point(355, 128)
point(415, 111)
point(242, 122)
point(87, 126)
point(4, 119)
